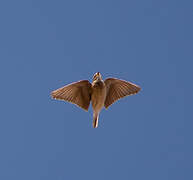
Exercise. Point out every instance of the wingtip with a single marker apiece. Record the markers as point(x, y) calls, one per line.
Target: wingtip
point(138, 89)
point(52, 95)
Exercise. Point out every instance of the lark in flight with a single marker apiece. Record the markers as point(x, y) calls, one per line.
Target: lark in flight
point(100, 93)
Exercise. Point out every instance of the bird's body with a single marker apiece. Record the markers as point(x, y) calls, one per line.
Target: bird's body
point(98, 97)
point(100, 93)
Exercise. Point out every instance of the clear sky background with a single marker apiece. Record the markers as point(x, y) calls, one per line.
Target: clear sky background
point(47, 44)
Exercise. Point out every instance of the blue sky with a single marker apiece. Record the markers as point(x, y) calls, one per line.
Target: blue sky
point(47, 44)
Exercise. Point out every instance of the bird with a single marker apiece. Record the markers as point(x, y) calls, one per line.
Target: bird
point(100, 93)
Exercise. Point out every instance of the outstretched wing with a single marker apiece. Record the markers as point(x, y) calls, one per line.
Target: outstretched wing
point(117, 89)
point(78, 93)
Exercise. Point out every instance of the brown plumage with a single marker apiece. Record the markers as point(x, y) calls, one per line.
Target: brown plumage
point(100, 93)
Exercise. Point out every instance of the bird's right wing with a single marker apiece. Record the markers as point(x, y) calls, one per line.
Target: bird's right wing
point(117, 89)
point(78, 93)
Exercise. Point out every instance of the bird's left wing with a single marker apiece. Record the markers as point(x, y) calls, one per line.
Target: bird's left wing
point(78, 93)
point(117, 89)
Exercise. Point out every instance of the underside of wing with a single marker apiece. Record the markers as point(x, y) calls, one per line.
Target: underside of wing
point(78, 93)
point(117, 89)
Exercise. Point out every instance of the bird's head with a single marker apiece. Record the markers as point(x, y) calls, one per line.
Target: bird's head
point(97, 77)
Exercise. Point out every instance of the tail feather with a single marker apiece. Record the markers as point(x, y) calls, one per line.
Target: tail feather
point(95, 120)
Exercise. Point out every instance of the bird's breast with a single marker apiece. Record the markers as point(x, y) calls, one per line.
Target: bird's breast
point(98, 95)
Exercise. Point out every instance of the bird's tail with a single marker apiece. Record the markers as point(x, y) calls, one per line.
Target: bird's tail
point(95, 120)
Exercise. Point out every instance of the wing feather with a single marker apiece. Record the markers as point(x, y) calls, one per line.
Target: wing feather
point(117, 89)
point(78, 93)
